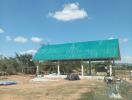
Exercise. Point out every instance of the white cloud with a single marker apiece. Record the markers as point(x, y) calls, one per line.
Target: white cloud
point(110, 38)
point(127, 59)
point(32, 51)
point(70, 11)
point(20, 39)
point(2, 30)
point(123, 40)
point(8, 38)
point(36, 39)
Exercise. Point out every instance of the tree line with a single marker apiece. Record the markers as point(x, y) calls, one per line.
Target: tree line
point(17, 64)
point(24, 64)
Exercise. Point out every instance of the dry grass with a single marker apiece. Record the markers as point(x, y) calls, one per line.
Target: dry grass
point(60, 90)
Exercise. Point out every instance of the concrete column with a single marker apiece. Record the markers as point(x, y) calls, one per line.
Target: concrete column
point(58, 69)
point(110, 70)
point(37, 68)
point(82, 69)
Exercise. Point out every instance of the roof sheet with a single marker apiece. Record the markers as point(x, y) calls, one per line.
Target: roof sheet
point(100, 49)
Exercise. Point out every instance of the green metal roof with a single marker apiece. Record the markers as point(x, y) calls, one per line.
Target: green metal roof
point(100, 49)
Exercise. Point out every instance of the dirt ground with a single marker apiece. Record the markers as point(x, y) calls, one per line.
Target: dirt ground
point(51, 90)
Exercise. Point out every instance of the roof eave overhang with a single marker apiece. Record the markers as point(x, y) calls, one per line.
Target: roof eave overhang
point(84, 59)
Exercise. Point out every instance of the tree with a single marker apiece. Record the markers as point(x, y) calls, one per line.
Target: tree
point(8, 65)
point(25, 62)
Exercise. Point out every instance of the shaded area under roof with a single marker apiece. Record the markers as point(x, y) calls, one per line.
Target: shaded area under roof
point(90, 50)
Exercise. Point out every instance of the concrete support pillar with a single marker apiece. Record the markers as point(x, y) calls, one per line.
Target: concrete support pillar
point(82, 69)
point(58, 69)
point(37, 68)
point(110, 70)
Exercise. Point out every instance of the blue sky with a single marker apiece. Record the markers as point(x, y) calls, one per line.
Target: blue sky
point(26, 24)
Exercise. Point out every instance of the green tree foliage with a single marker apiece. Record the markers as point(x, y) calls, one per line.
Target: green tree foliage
point(8, 65)
point(20, 63)
point(25, 62)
